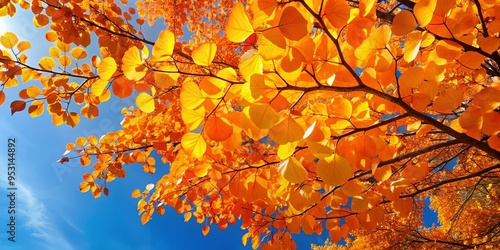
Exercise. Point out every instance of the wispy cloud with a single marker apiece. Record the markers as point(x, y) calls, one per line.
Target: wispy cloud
point(39, 222)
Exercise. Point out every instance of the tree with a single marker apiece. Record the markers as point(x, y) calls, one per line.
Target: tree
point(291, 116)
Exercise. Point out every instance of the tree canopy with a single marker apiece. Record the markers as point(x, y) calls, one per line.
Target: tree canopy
point(291, 116)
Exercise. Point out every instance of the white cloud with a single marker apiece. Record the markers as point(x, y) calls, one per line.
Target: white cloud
point(38, 220)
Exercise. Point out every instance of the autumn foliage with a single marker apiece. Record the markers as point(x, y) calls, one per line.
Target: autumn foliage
point(346, 117)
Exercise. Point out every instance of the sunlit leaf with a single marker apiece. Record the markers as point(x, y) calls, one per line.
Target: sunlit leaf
point(204, 54)
point(292, 170)
point(164, 46)
point(194, 144)
point(238, 25)
point(145, 102)
point(106, 68)
point(334, 170)
point(292, 24)
point(8, 40)
point(403, 23)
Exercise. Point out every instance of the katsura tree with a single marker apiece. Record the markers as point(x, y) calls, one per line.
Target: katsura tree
point(299, 116)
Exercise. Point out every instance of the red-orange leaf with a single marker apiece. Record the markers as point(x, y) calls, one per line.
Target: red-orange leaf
point(17, 106)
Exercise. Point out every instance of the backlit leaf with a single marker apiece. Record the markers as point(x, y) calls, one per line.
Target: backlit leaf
point(204, 54)
point(424, 10)
point(8, 40)
point(191, 96)
point(218, 128)
point(46, 63)
point(145, 102)
point(403, 23)
point(194, 144)
point(17, 106)
point(292, 170)
point(448, 102)
point(334, 170)
point(106, 68)
point(164, 46)
point(132, 65)
point(238, 25)
point(292, 24)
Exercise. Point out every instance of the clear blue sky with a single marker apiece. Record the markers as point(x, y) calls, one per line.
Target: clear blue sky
point(52, 213)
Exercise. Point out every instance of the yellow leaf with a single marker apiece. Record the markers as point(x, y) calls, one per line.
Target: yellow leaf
point(36, 108)
point(33, 91)
point(403, 23)
point(8, 40)
point(106, 68)
point(272, 45)
point(287, 150)
point(46, 63)
point(334, 170)
point(90, 111)
point(191, 96)
point(263, 115)
point(292, 170)
point(204, 54)
point(238, 25)
point(23, 45)
point(194, 145)
point(424, 10)
point(218, 128)
point(193, 117)
point(166, 76)
point(78, 53)
point(250, 63)
point(145, 102)
point(132, 65)
point(292, 24)
point(98, 86)
point(164, 46)
point(448, 102)
point(412, 45)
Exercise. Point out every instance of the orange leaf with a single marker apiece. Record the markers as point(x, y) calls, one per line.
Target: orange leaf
point(2, 97)
point(334, 170)
point(448, 102)
point(238, 25)
point(136, 193)
point(263, 115)
point(64, 60)
point(122, 87)
point(292, 24)
point(337, 12)
point(403, 23)
point(218, 128)
point(292, 170)
point(424, 10)
point(205, 230)
point(204, 54)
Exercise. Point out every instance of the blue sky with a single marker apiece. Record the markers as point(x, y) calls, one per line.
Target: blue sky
point(52, 213)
